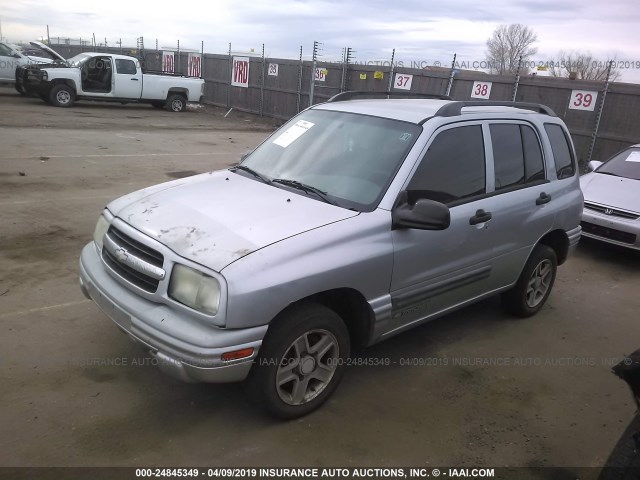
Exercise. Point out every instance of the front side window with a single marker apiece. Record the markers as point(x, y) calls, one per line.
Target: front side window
point(565, 166)
point(351, 158)
point(5, 51)
point(453, 169)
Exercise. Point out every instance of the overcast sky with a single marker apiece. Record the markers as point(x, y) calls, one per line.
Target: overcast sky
point(428, 32)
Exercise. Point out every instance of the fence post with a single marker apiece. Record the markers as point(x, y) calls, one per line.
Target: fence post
point(202, 59)
point(451, 75)
point(313, 72)
point(262, 84)
point(517, 83)
point(299, 81)
point(230, 77)
point(594, 135)
point(393, 56)
point(48, 38)
point(176, 70)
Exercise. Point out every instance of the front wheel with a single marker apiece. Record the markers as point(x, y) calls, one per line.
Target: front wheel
point(62, 96)
point(531, 291)
point(301, 362)
point(176, 103)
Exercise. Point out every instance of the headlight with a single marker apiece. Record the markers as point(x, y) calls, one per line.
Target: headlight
point(101, 228)
point(194, 289)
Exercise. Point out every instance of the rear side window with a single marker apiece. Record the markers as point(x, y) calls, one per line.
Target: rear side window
point(565, 166)
point(453, 168)
point(517, 156)
point(127, 67)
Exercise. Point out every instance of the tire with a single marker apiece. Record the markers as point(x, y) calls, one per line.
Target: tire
point(301, 362)
point(62, 96)
point(533, 287)
point(176, 103)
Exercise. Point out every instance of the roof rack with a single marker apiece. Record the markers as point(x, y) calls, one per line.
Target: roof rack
point(341, 97)
point(455, 108)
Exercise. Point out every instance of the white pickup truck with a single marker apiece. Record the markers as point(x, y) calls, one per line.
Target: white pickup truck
point(108, 77)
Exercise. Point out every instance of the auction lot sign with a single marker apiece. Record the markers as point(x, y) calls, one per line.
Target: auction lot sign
point(240, 72)
point(583, 100)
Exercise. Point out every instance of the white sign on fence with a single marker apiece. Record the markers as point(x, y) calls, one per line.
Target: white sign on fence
point(240, 74)
point(273, 69)
point(321, 74)
point(481, 90)
point(195, 65)
point(168, 62)
point(583, 100)
point(403, 81)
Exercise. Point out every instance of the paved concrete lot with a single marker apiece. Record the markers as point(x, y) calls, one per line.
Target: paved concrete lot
point(483, 389)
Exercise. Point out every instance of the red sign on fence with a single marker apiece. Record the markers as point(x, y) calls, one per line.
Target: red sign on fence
point(195, 65)
point(240, 73)
point(168, 62)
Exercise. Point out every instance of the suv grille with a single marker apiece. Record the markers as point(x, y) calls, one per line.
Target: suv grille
point(141, 266)
point(611, 233)
point(610, 211)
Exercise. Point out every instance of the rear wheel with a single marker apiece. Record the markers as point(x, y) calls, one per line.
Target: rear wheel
point(531, 291)
point(176, 103)
point(62, 96)
point(301, 361)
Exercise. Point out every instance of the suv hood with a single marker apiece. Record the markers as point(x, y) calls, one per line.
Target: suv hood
point(617, 192)
point(214, 219)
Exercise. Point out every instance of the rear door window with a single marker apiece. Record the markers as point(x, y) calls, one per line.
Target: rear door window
point(517, 156)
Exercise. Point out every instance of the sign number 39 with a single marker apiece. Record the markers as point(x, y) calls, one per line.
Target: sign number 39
point(583, 100)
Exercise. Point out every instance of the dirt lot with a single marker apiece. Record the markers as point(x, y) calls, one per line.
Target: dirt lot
point(491, 390)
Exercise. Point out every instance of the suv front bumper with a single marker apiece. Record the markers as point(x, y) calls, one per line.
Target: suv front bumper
point(195, 356)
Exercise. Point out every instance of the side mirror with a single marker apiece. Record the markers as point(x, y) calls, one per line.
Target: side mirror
point(593, 164)
point(422, 215)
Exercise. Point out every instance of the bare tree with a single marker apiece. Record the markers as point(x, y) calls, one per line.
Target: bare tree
point(583, 66)
point(507, 44)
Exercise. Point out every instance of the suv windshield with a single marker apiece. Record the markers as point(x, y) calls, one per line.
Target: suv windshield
point(624, 164)
point(349, 159)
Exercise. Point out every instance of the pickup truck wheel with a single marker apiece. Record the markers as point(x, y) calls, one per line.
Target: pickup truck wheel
point(176, 103)
point(301, 361)
point(531, 291)
point(62, 96)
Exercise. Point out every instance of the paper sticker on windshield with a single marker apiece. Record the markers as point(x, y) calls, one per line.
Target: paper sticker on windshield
point(633, 157)
point(405, 136)
point(293, 133)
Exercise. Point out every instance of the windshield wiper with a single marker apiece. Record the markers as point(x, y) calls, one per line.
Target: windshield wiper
point(262, 178)
point(305, 188)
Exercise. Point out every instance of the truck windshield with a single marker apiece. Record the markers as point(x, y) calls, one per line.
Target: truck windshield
point(349, 158)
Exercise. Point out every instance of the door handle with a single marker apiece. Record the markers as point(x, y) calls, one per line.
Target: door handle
point(134, 79)
point(480, 217)
point(543, 198)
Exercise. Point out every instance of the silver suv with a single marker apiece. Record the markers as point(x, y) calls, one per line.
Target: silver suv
point(355, 221)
